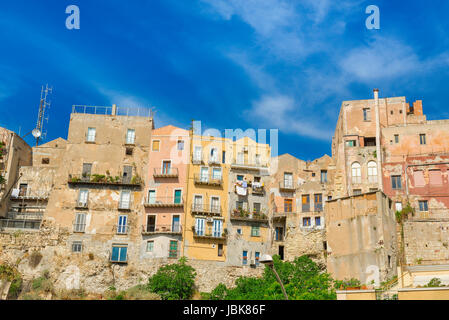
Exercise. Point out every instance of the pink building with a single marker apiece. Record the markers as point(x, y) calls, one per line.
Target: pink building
point(162, 224)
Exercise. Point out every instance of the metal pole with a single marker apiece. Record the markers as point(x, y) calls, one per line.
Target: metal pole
point(279, 280)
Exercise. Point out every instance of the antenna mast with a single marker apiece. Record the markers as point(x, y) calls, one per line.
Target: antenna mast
point(43, 105)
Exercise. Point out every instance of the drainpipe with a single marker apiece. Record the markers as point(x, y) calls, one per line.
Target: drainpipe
point(378, 149)
point(186, 206)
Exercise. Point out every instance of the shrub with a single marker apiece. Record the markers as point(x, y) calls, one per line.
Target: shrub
point(11, 274)
point(35, 259)
point(434, 282)
point(174, 282)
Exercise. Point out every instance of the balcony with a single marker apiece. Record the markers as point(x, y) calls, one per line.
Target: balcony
point(258, 190)
point(97, 179)
point(79, 227)
point(164, 202)
point(242, 215)
point(81, 204)
point(20, 224)
point(318, 207)
point(206, 209)
point(166, 173)
point(124, 206)
point(247, 165)
point(280, 215)
point(174, 229)
point(197, 159)
point(208, 234)
point(214, 161)
point(287, 186)
point(121, 229)
point(208, 180)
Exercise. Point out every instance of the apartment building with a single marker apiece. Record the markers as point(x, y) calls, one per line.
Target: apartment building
point(248, 215)
point(162, 225)
point(98, 190)
point(299, 190)
point(14, 153)
point(205, 232)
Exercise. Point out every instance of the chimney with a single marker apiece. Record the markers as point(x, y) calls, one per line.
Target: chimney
point(114, 110)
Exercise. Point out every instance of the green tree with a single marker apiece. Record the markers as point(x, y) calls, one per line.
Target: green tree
point(303, 280)
point(174, 281)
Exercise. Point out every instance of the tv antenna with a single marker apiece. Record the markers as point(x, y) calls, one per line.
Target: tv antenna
point(43, 105)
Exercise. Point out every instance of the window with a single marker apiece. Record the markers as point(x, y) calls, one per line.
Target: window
point(422, 139)
point(288, 205)
point(220, 250)
point(82, 198)
point(279, 233)
point(255, 231)
point(313, 174)
point(372, 172)
point(178, 197)
point(356, 173)
point(23, 190)
point(152, 196)
point(119, 253)
point(129, 151)
point(239, 205)
point(240, 158)
point(122, 225)
point(318, 202)
point(91, 132)
point(239, 177)
point(199, 226)
point(350, 143)
point(213, 155)
point(80, 223)
point(396, 182)
point(180, 145)
point(204, 174)
point(130, 136)
point(45, 160)
point(306, 222)
point(396, 138)
point(288, 180)
point(125, 200)
point(175, 224)
point(256, 207)
point(245, 257)
point(215, 204)
point(257, 159)
point(87, 169)
point(156, 145)
point(323, 176)
point(127, 174)
point(366, 114)
point(173, 251)
point(216, 174)
point(166, 167)
point(197, 155)
point(318, 221)
point(329, 198)
point(305, 201)
point(423, 205)
point(217, 227)
point(257, 258)
point(77, 246)
point(239, 231)
point(223, 157)
point(356, 192)
point(369, 142)
point(151, 223)
point(150, 246)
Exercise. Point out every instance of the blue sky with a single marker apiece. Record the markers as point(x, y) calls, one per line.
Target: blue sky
point(270, 64)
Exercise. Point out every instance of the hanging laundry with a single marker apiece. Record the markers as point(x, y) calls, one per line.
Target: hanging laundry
point(240, 191)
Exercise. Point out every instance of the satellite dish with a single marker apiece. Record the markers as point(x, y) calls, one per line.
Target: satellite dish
point(36, 133)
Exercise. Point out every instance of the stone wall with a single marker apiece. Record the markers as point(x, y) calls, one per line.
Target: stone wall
point(426, 242)
point(47, 249)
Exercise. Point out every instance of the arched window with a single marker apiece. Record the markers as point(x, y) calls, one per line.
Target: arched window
point(356, 173)
point(372, 172)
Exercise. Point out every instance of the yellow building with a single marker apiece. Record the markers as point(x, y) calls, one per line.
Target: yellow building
point(207, 201)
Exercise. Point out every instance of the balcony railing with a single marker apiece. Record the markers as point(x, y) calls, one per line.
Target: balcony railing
point(240, 215)
point(356, 179)
point(208, 180)
point(196, 159)
point(164, 202)
point(206, 209)
point(208, 233)
point(82, 204)
point(20, 224)
point(166, 173)
point(214, 160)
point(124, 205)
point(79, 227)
point(318, 207)
point(98, 179)
point(167, 229)
point(287, 186)
point(122, 229)
point(258, 190)
point(248, 164)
